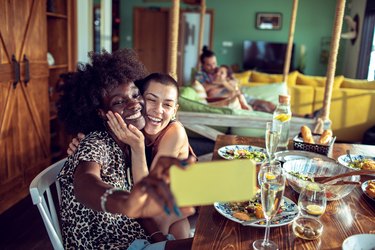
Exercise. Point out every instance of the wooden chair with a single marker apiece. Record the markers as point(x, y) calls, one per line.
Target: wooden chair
point(42, 196)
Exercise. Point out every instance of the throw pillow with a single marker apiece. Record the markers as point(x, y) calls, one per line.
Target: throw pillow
point(269, 92)
point(318, 81)
point(189, 93)
point(243, 77)
point(200, 90)
point(272, 78)
point(358, 84)
point(190, 105)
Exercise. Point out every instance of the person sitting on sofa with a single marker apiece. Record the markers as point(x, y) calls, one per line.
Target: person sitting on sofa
point(215, 82)
point(221, 87)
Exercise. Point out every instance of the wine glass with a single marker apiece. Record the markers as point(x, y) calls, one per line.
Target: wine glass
point(273, 131)
point(264, 167)
point(272, 190)
point(312, 200)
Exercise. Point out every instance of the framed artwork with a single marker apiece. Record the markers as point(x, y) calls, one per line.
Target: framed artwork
point(268, 21)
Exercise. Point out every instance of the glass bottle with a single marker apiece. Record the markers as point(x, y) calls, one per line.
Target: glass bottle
point(282, 115)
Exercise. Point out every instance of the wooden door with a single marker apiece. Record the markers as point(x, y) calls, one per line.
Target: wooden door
point(151, 27)
point(24, 104)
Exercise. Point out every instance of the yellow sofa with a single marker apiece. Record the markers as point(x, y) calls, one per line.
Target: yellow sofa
point(352, 104)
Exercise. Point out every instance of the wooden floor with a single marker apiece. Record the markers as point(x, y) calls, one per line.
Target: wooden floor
point(21, 227)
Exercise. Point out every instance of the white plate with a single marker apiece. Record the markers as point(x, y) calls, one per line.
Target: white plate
point(363, 186)
point(290, 211)
point(289, 155)
point(359, 242)
point(344, 159)
point(223, 151)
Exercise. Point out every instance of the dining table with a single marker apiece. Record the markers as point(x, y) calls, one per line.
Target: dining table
point(353, 214)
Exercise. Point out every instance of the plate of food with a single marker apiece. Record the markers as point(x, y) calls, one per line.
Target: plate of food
point(357, 162)
point(368, 187)
point(289, 155)
point(231, 152)
point(250, 213)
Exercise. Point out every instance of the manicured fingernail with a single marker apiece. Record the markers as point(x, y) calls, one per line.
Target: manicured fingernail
point(166, 209)
point(176, 210)
point(184, 163)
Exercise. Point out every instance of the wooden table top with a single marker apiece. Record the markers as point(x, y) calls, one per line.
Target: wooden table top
point(354, 214)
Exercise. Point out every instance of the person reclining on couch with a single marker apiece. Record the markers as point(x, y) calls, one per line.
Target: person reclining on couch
point(222, 88)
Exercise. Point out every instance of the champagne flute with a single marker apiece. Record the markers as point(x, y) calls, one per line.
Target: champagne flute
point(264, 167)
point(272, 137)
point(272, 190)
point(312, 200)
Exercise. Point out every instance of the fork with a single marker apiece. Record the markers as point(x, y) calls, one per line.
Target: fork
point(350, 157)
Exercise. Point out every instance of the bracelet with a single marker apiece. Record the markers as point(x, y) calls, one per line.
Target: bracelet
point(154, 233)
point(103, 198)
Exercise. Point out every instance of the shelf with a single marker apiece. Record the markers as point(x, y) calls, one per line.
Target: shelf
point(58, 66)
point(60, 44)
point(55, 15)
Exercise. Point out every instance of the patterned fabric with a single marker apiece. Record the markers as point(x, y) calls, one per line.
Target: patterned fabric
point(82, 227)
point(204, 77)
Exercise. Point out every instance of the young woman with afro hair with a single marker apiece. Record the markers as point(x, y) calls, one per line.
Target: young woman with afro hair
point(98, 198)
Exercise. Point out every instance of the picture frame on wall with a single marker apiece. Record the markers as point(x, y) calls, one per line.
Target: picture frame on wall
point(268, 21)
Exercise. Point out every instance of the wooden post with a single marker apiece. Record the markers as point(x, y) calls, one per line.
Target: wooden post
point(336, 33)
point(201, 31)
point(288, 53)
point(173, 41)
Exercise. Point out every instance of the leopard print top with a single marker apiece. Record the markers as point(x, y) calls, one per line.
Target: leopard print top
point(85, 228)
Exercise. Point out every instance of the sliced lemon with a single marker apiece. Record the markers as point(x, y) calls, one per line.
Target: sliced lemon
point(269, 176)
point(283, 117)
point(314, 209)
point(313, 187)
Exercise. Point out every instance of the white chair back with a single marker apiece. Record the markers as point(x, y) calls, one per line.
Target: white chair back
point(42, 197)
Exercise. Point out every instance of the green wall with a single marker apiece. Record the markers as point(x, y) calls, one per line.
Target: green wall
point(234, 21)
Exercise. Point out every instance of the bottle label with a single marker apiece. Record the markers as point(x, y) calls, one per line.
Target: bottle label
point(283, 117)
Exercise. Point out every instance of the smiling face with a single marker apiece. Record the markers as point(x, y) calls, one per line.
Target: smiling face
point(161, 106)
point(127, 101)
point(221, 73)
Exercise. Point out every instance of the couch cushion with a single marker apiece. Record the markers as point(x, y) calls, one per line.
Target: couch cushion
point(302, 99)
point(351, 112)
point(243, 77)
point(186, 104)
point(190, 93)
point(272, 78)
point(189, 105)
point(358, 84)
point(318, 81)
point(198, 87)
point(268, 92)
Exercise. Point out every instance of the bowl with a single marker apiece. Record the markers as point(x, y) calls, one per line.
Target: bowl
point(307, 228)
point(317, 167)
point(359, 242)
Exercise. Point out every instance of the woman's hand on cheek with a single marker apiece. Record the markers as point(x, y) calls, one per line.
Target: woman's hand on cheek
point(125, 133)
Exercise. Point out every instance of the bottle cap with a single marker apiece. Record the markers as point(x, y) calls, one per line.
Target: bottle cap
point(285, 99)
